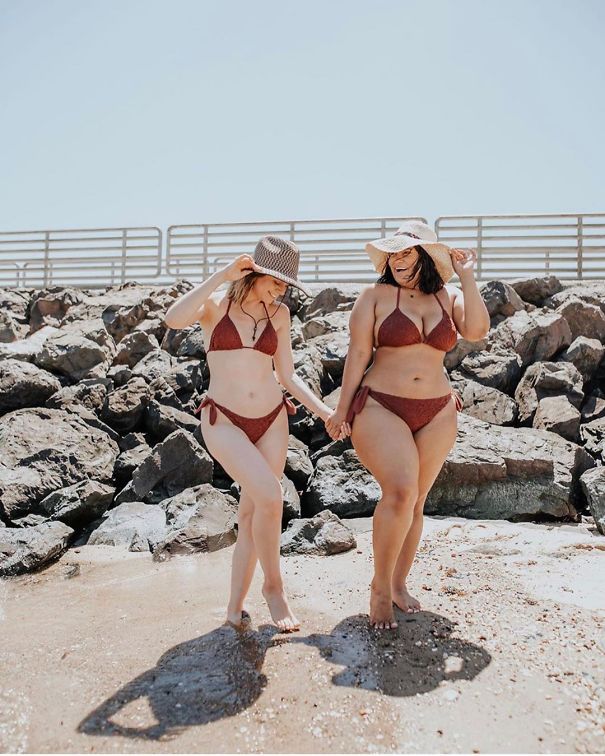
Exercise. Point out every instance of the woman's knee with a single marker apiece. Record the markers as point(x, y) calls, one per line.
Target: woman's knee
point(269, 497)
point(400, 494)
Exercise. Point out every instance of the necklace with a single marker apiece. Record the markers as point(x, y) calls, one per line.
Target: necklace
point(256, 322)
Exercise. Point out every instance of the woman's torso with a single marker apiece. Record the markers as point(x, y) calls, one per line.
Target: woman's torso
point(416, 369)
point(241, 376)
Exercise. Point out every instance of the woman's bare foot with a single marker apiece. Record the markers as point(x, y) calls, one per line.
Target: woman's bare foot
point(281, 613)
point(239, 620)
point(381, 609)
point(404, 600)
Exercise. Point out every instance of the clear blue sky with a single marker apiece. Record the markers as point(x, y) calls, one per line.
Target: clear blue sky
point(136, 112)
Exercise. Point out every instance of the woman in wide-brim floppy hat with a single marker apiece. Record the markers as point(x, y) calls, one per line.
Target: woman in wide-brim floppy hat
point(401, 411)
point(244, 413)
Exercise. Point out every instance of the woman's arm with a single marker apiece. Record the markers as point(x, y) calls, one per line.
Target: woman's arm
point(192, 306)
point(361, 346)
point(468, 308)
point(284, 368)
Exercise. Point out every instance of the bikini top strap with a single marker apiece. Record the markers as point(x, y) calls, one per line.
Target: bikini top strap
point(398, 295)
point(229, 305)
point(266, 311)
point(440, 305)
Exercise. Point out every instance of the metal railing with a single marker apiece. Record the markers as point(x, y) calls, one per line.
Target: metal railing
point(568, 245)
point(330, 250)
point(80, 256)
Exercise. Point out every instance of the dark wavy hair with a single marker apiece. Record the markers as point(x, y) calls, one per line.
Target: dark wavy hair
point(429, 280)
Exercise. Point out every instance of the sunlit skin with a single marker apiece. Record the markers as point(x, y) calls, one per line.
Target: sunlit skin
point(407, 466)
point(250, 383)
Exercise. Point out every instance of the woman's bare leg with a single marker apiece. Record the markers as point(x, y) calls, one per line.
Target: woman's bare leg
point(244, 561)
point(395, 467)
point(433, 442)
point(246, 464)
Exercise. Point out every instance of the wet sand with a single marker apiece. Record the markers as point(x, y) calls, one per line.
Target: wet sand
point(108, 651)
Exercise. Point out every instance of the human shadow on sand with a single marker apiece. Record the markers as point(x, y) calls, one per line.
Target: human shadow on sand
point(196, 682)
point(220, 674)
point(414, 658)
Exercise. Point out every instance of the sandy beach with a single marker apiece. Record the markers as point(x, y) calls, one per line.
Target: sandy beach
point(108, 651)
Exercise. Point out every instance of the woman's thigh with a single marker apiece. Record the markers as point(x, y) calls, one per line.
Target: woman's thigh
point(241, 460)
point(434, 442)
point(385, 446)
point(273, 444)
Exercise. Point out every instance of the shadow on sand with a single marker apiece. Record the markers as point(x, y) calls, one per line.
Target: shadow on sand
point(220, 674)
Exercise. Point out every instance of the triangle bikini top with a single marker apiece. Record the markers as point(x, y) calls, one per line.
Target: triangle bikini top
point(397, 330)
point(225, 336)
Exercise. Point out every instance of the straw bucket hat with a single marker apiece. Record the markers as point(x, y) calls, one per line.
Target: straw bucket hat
point(412, 234)
point(279, 258)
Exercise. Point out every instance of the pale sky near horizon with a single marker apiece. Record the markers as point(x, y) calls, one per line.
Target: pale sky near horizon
point(149, 112)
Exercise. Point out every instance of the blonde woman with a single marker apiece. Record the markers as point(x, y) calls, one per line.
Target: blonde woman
point(244, 414)
point(403, 407)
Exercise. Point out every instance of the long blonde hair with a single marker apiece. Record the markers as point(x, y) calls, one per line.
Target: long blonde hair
point(239, 290)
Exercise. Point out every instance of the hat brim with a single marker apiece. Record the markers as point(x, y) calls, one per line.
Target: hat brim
point(378, 252)
point(281, 277)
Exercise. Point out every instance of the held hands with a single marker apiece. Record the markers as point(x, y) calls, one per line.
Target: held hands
point(463, 260)
point(240, 267)
point(337, 427)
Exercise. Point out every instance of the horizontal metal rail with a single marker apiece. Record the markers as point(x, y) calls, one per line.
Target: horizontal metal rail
point(80, 256)
point(569, 245)
point(330, 250)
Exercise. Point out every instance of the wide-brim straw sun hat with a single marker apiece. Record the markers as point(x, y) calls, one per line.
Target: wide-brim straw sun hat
point(412, 234)
point(279, 258)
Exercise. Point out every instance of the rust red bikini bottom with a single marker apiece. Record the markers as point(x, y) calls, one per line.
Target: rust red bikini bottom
point(253, 427)
point(416, 413)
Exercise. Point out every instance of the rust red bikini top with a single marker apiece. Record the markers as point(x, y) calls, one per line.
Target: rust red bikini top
point(225, 336)
point(397, 330)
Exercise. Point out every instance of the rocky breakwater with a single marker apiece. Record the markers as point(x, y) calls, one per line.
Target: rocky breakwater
point(99, 443)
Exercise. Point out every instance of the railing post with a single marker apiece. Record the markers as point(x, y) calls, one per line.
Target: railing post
point(580, 261)
point(205, 252)
point(123, 260)
point(479, 247)
point(46, 254)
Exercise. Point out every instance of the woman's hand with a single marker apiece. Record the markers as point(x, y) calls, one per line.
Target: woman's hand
point(337, 427)
point(240, 267)
point(463, 260)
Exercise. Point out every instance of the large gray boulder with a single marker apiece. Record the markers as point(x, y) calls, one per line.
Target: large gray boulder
point(501, 300)
point(324, 534)
point(322, 324)
point(486, 403)
point(133, 347)
point(28, 347)
point(134, 525)
point(593, 485)
point(42, 450)
point(27, 549)
point(23, 384)
point(533, 336)
point(499, 369)
point(74, 356)
point(584, 319)
point(328, 300)
point(78, 504)
point(342, 485)
point(89, 393)
point(298, 463)
point(177, 463)
point(585, 354)
point(536, 290)
point(495, 472)
point(592, 435)
point(547, 379)
point(49, 306)
point(123, 408)
point(199, 519)
point(557, 414)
